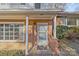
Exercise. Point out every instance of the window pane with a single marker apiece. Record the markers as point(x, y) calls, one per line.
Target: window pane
point(16, 29)
point(37, 5)
point(11, 28)
point(7, 33)
point(11, 25)
point(42, 38)
point(1, 38)
point(6, 28)
point(1, 25)
point(63, 21)
point(6, 38)
point(42, 28)
point(16, 37)
point(16, 25)
point(71, 21)
point(42, 35)
point(6, 25)
point(1, 33)
point(11, 33)
point(16, 34)
point(1, 29)
point(11, 37)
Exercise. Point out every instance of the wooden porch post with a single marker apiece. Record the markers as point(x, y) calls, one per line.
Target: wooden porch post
point(26, 35)
point(54, 27)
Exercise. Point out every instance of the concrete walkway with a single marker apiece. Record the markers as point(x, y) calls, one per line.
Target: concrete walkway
point(42, 53)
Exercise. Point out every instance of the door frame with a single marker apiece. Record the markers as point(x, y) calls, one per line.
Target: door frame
point(38, 24)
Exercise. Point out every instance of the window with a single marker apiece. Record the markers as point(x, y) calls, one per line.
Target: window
point(71, 21)
point(37, 5)
point(1, 31)
point(45, 6)
point(11, 31)
point(42, 33)
point(68, 21)
point(62, 20)
point(23, 3)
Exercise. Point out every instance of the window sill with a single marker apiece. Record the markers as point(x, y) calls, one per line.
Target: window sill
point(11, 41)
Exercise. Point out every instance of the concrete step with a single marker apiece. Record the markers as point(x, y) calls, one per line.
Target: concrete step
point(42, 53)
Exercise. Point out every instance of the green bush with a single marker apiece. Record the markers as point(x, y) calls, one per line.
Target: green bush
point(73, 29)
point(12, 52)
point(73, 32)
point(67, 32)
point(61, 31)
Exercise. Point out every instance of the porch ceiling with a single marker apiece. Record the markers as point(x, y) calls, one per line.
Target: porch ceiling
point(41, 17)
point(34, 14)
point(23, 17)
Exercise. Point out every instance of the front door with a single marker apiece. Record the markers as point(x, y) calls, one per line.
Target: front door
point(42, 36)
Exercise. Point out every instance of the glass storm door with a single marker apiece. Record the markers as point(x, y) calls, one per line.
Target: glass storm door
point(42, 37)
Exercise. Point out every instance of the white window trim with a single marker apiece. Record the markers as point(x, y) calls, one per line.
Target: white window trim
point(11, 41)
point(13, 30)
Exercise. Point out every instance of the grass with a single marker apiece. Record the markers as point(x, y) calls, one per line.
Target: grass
point(15, 52)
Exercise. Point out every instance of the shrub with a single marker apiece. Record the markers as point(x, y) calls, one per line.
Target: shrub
point(73, 29)
point(61, 31)
point(73, 32)
point(67, 32)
